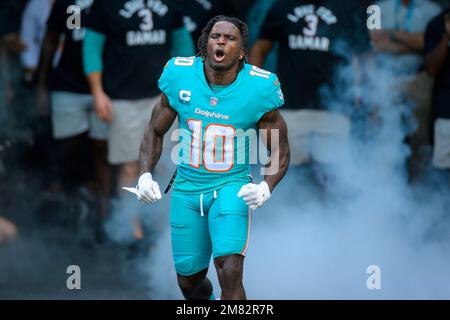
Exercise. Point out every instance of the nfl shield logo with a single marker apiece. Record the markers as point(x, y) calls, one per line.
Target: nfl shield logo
point(213, 101)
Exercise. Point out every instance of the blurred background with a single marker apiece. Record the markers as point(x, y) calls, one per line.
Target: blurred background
point(367, 91)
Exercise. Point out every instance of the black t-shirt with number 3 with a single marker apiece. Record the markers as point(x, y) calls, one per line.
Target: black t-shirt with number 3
point(138, 38)
point(315, 36)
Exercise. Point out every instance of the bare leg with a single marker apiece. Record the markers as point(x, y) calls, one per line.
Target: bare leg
point(102, 185)
point(102, 177)
point(230, 271)
point(195, 287)
point(128, 175)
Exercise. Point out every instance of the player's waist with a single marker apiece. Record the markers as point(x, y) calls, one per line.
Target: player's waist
point(203, 173)
point(197, 180)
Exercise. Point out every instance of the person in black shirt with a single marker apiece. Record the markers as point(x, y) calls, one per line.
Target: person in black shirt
point(399, 48)
point(74, 122)
point(126, 45)
point(316, 37)
point(437, 60)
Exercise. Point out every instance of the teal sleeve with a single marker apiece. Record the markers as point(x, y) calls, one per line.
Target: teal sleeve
point(182, 43)
point(166, 82)
point(93, 44)
point(274, 97)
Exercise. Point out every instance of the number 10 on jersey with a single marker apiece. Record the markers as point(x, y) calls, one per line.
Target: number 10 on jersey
point(215, 147)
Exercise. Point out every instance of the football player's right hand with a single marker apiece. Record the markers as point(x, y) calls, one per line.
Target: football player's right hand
point(147, 189)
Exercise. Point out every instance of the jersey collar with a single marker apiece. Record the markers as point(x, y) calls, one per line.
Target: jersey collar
point(228, 88)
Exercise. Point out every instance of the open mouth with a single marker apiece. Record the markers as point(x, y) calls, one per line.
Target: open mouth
point(219, 55)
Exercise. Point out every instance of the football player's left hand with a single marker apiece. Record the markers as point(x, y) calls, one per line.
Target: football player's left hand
point(255, 195)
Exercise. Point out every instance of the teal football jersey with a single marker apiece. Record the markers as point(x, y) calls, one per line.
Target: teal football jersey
point(217, 123)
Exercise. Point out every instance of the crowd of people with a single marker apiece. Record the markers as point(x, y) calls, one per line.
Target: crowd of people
point(78, 87)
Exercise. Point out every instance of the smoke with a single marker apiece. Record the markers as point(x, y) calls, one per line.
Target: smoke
point(314, 243)
point(320, 247)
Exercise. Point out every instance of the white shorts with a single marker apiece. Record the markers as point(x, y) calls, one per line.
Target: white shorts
point(130, 118)
point(73, 114)
point(317, 135)
point(441, 151)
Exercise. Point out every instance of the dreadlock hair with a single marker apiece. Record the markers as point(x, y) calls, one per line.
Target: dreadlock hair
point(243, 29)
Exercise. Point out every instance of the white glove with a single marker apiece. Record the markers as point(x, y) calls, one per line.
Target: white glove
point(147, 189)
point(255, 195)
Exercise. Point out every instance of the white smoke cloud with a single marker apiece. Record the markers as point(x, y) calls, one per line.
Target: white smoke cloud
point(313, 244)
